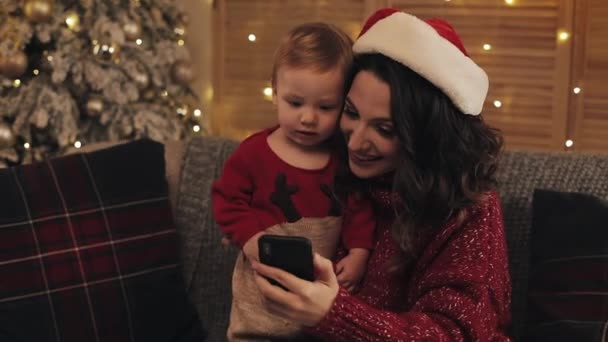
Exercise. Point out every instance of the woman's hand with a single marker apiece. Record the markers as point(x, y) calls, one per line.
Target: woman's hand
point(306, 302)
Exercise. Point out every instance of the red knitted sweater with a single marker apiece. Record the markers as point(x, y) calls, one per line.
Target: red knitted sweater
point(458, 290)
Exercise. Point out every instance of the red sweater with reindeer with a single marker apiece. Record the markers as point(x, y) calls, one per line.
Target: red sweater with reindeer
point(257, 190)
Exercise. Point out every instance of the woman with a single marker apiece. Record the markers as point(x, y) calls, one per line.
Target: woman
point(418, 148)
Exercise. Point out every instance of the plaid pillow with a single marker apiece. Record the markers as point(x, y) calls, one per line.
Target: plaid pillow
point(568, 285)
point(88, 250)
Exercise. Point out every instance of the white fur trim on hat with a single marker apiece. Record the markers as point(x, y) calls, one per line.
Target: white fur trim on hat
point(414, 43)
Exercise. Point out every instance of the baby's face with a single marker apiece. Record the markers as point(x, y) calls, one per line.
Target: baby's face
point(308, 103)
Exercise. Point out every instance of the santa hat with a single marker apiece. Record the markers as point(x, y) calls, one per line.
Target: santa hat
point(432, 49)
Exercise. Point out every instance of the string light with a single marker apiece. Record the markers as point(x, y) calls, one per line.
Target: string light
point(577, 90)
point(509, 2)
point(182, 111)
point(487, 47)
point(497, 104)
point(569, 143)
point(252, 37)
point(180, 42)
point(179, 31)
point(77, 144)
point(72, 21)
point(36, 72)
point(268, 91)
point(27, 146)
point(16, 83)
point(563, 36)
point(139, 41)
point(196, 128)
point(197, 112)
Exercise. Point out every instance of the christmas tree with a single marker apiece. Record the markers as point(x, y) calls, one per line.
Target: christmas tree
point(74, 72)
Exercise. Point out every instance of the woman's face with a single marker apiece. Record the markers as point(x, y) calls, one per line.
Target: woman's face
point(369, 130)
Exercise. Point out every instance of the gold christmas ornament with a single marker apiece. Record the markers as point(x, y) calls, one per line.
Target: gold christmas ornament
point(37, 11)
point(7, 137)
point(14, 65)
point(182, 72)
point(132, 30)
point(95, 106)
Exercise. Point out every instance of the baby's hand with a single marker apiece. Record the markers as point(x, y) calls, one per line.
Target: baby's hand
point(351, 268)
point(250, 248)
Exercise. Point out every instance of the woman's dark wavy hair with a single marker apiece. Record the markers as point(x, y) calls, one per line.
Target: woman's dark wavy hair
point(447, 162)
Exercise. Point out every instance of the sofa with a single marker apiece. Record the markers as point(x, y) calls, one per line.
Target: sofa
point(206, 264)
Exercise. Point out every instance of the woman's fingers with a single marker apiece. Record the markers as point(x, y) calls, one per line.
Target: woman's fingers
point(288, 280)
point(272, 292)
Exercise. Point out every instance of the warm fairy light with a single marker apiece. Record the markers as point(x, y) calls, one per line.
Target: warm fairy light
point(497, 104)
point(139, 41)
point(16, 83)
point(49, 58)
point(27, 146)
point(252, 37)
point(563, 36)
point(165, 93)
point(487, 47)
point(569, 143)
point(197, 112)
point(77, 144)
point(577, 90)
point(36, 72)
point(179, 31)
point(268, 91)
point(182, 111)
point(196, 128)
point(180, 42)
point(72, 21)
point(509, 2)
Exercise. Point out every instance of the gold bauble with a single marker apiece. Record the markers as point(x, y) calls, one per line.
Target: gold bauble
point(7, 137)
point(132, 30)
point(182, 72)
point(14, 65)
point(38, 11)
point(95, 106)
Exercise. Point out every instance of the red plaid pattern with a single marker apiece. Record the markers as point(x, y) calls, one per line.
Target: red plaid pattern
point(88, 250)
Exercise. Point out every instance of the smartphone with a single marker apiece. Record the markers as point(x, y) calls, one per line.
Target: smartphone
point(290, 253)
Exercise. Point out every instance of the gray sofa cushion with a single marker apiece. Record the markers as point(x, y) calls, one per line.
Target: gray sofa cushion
point(519, 175)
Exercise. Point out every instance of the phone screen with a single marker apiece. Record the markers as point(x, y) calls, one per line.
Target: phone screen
point(290, 253)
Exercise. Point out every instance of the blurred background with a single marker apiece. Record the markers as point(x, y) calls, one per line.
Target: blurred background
point(75, 72)
point(547, 61)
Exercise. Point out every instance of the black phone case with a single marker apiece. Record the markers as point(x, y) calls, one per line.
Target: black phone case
point(290, 253)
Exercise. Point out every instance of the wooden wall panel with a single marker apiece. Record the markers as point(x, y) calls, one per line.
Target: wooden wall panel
point(590, 106)
point(532, 72)
point(241, 107)
point(524, 63)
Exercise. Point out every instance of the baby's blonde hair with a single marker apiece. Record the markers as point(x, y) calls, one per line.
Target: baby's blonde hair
point(320, 46)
